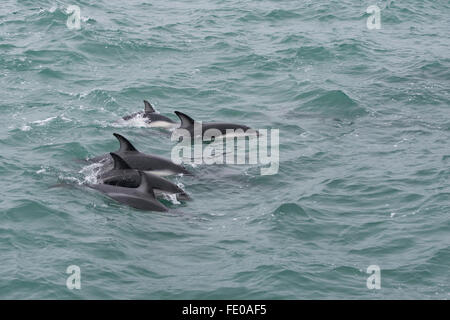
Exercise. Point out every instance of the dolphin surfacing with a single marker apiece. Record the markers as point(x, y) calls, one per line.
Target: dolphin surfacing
point(142, 197)
point(146, 162)
point(123, 175)
point(153, 118)
point(141, 161)
point(187, 123)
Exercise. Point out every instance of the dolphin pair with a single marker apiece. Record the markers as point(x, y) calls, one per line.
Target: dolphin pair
point(187, 123)
point(122, 175)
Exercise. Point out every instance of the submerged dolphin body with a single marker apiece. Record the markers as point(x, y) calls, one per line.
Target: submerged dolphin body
point(152, 117)
point(142, 197)
point(123, 175)
point(141, 161)
point(187, 123)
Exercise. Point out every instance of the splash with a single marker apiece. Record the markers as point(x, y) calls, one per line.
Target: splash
point(90, 173)
point(43, 122)
point(171, 197)
point(137, 121)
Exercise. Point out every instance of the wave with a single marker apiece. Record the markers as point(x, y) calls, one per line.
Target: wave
point(331, 103)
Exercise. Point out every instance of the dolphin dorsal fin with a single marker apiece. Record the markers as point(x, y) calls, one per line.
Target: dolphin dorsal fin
point(119, 163)
point(186, 121)
point(148, 107)
point(125, 145)
point(146, 185)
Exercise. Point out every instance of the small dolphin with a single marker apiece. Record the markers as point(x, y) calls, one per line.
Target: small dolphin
point(153, 118)
point(123, 176)
point(141, 161)
point(142, 197)
point(120, 175)
point(187, 123)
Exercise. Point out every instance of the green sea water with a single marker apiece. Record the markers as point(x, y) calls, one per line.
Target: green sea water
point(364, 126)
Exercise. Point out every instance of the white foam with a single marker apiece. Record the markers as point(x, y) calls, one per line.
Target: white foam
point(61, 177)
point(171, 197)
point(43, 122)
point(90, 172)
point(65, 119)
point(137, 121)
point(180, 185)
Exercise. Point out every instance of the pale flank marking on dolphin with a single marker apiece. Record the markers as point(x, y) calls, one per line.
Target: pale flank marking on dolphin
point(162, 173)
point(162, 124)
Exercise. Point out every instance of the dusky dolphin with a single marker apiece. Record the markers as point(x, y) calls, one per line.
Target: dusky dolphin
point(142, 197)
point(153, 118)
point(188, 123)
point(141, 161)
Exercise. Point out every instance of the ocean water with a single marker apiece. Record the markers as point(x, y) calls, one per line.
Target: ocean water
point(364, 123)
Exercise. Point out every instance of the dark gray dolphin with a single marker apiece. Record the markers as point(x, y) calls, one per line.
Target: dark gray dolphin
point(146, 162)
point(123, 176)
point(152, 117)
point(141, 161)
point(187, 123)
point(120, 175)
point(142, 197)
